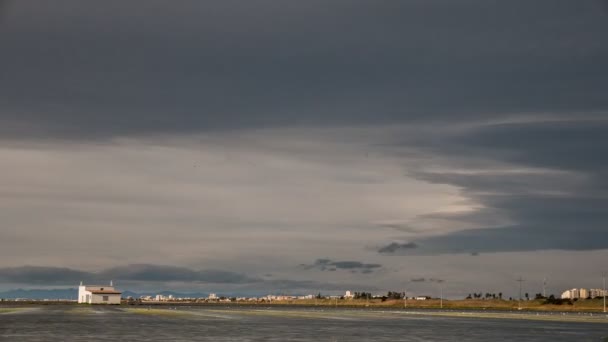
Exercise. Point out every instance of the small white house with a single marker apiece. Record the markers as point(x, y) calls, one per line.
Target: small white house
point(98, 294)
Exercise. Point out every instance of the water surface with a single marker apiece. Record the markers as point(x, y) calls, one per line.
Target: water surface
point(104, 323)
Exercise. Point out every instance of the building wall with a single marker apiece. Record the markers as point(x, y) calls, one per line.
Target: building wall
point(86, 297)
point(82, 292)
point(99, 299)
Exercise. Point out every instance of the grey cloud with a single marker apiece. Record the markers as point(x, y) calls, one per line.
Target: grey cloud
point(330, 265)
point(556, 200)
point(131, 273)
point(425, 280)
point(41, 275)
point(143, 272)
point(101, 70)
point(353, 264)
point(149, 277)
point(395, 247)
point(222, 65)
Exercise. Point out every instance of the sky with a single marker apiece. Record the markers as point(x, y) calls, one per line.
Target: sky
point(304, 146)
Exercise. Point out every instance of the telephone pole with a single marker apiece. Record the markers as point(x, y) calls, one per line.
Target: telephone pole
point(441, 295)
point(545, 287)
point(604, 282)
point(520, 280)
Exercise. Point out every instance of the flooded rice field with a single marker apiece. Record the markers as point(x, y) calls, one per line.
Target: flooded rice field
point(103, 323)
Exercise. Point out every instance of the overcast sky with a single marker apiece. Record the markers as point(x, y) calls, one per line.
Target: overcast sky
point(304, 146)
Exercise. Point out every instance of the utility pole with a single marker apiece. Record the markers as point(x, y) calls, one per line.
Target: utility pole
point(520, 280)
point(604, 281)
point(545, 287)
point(441, 295)
point(404, 298)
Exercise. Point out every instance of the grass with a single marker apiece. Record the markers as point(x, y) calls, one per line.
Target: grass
point(592, 305)
point(10, 310)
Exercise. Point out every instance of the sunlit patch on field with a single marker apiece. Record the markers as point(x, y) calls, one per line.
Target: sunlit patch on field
point(8, 310)
point(545, 316)
point(160, 312)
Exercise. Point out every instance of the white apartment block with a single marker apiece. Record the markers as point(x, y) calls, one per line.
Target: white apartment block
point(583, 293)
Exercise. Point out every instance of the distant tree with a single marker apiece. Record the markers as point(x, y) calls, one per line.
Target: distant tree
point(510, 298)
point(319, 296)
point(362, 295)
point(557, 301)
point(500, 295)
point(527, 296)
point(469, 296)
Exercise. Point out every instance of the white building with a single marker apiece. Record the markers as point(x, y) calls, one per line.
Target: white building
point(582, 293)
point(348, 295)
point(594, 293)
point(570, 294)
point(98, 294)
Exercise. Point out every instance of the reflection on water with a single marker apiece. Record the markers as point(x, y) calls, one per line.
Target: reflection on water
point(98, 323)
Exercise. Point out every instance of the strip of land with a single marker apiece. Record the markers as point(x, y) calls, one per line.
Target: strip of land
point(583, 306)
point(340, 314)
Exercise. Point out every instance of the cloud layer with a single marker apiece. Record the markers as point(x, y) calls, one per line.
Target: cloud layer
point(253, 137)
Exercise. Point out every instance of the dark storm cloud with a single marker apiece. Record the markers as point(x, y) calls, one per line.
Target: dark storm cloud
point(425, 280)
point(41, 275)
point(98, 70)
point(330, 265)
point(562, 205)
point(92, 70)
point(395, 247)
point(134, 276)
point(134, 273)
point(164, 273)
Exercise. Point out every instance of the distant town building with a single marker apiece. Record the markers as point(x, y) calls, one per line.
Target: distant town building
point(570, 294)
point(212, 296)
point(98, 294)
point(348, 295)
point(582, 293)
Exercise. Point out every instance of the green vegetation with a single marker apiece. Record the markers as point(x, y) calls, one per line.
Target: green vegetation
point(589, 305)
point(10, 310)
